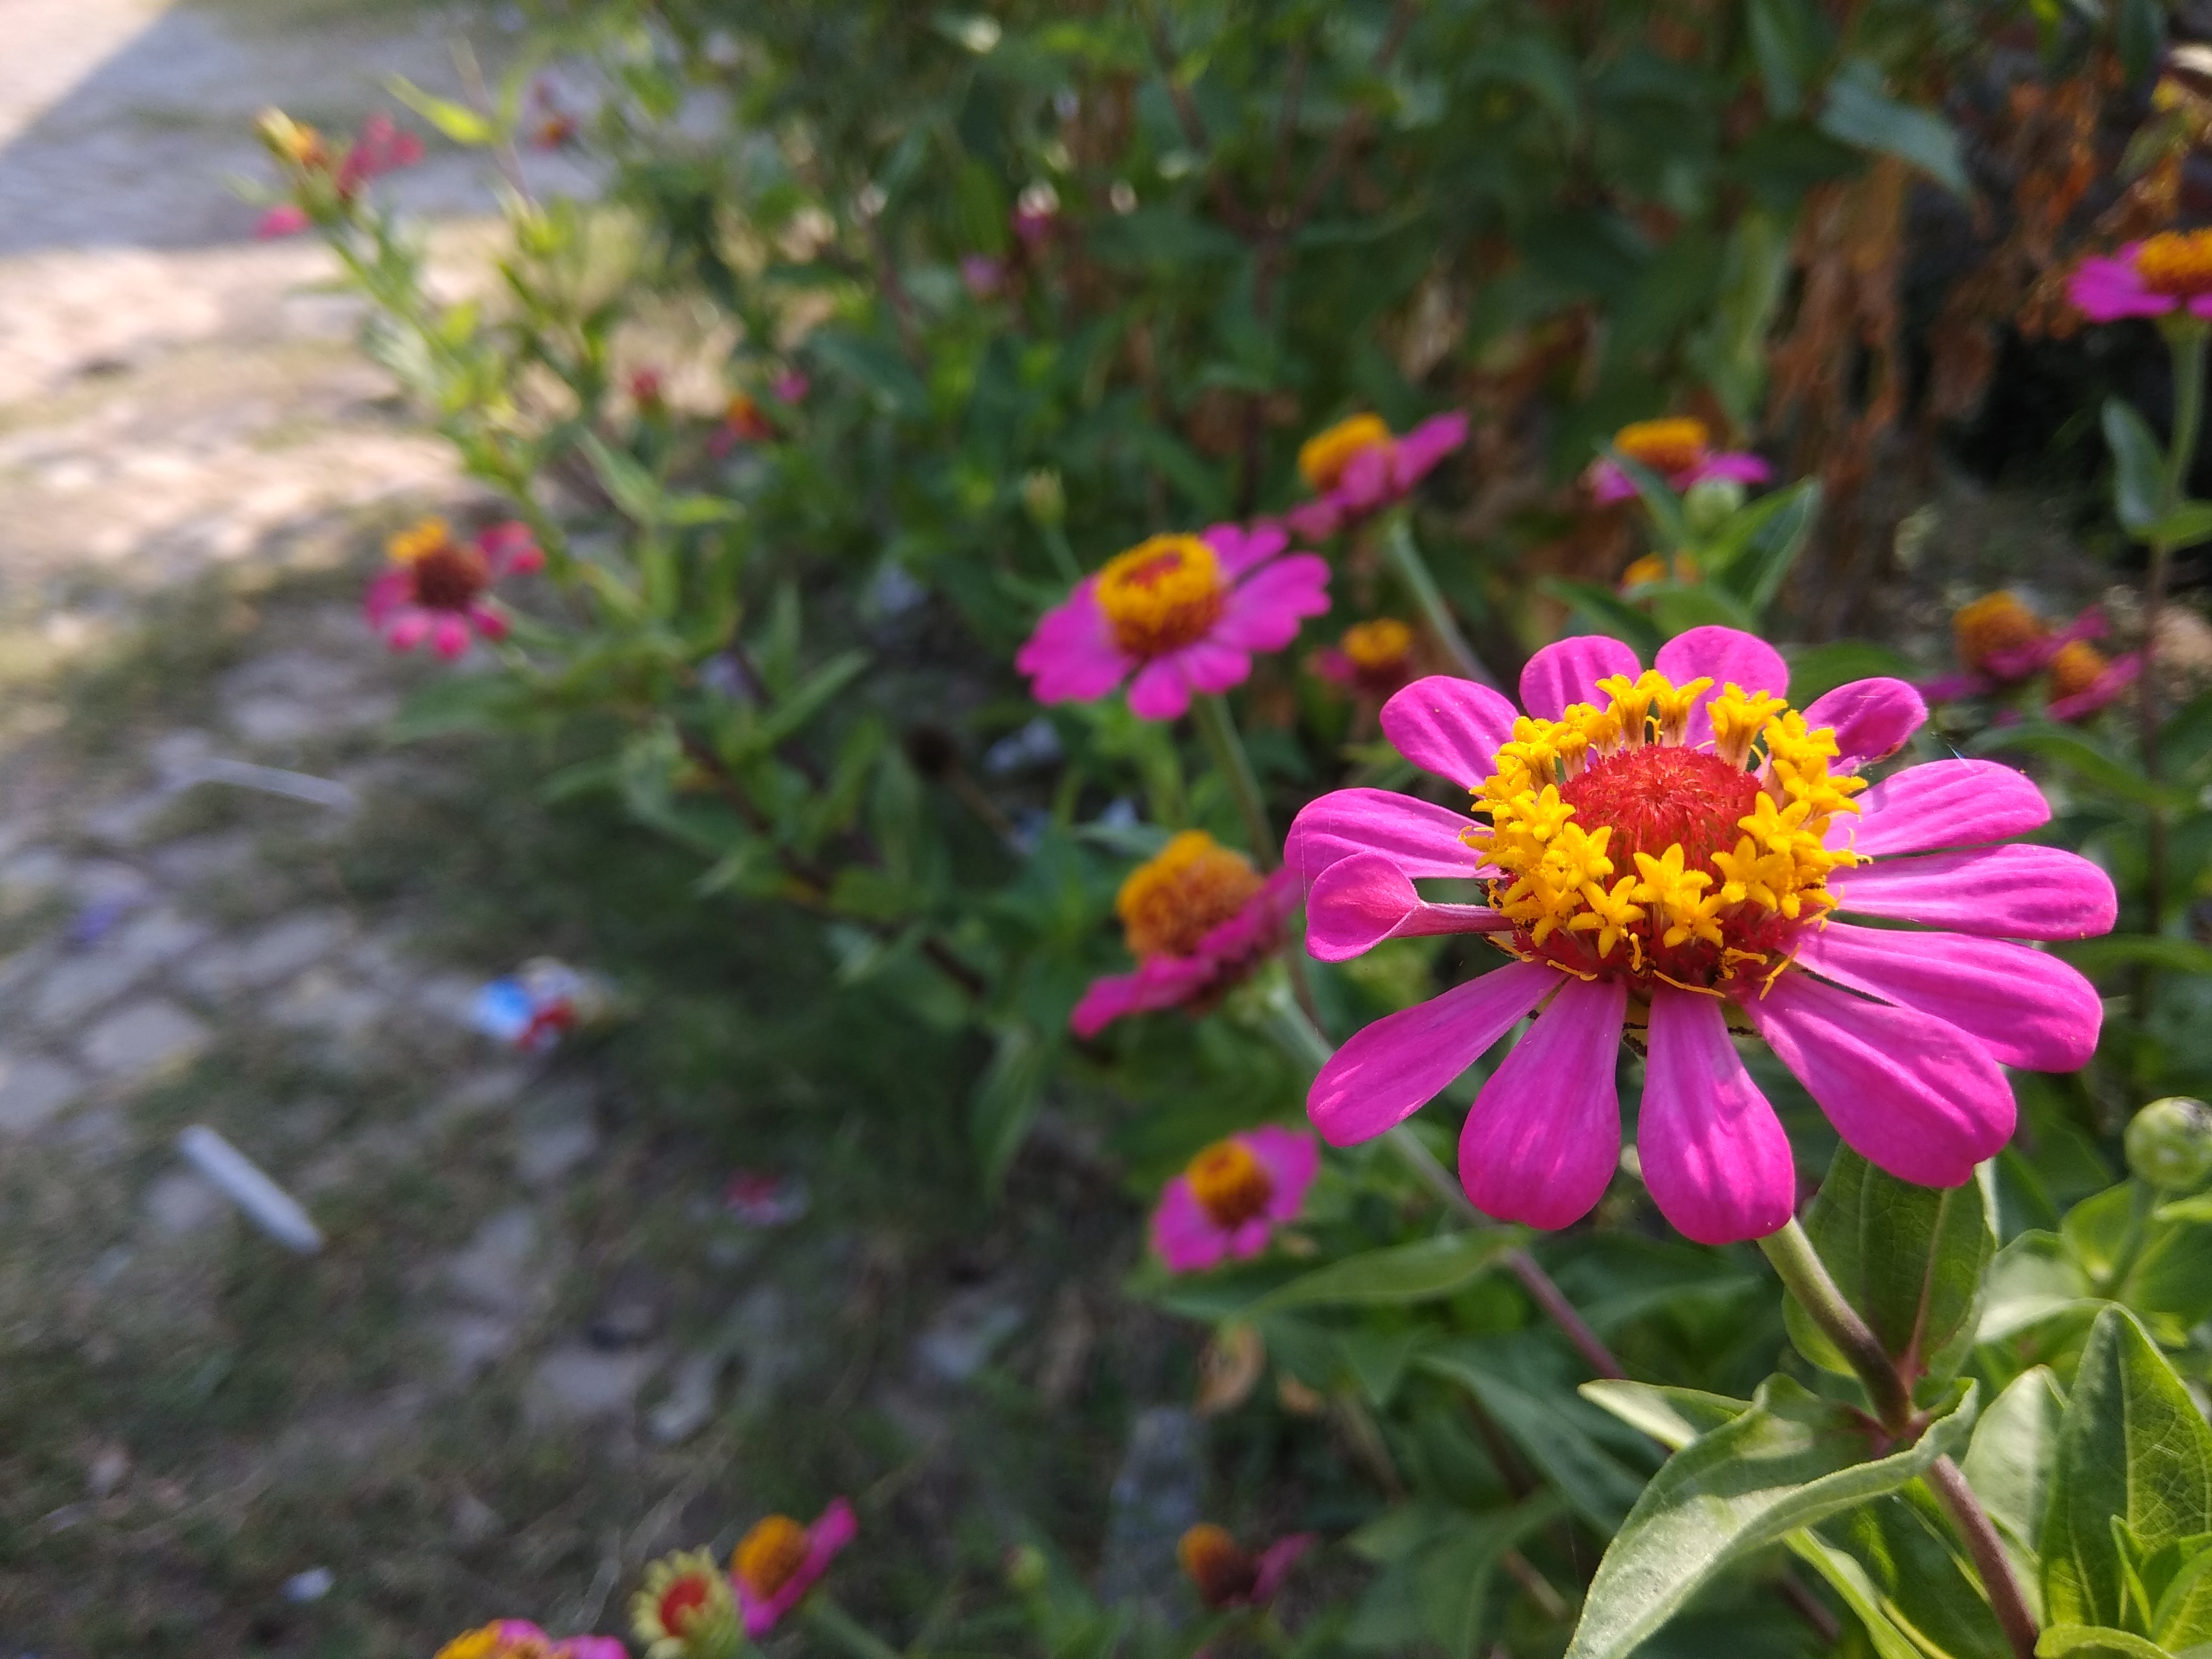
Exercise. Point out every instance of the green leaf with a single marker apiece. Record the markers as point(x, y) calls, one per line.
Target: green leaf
point(1860, 111)
point(1378, 1359)
point(1600, 1487)
point(878, 368)
point(1756, 570)
point(2186, 525)
point(1673, 1417)
point(1456, 1574)
point(1852, 1583)
point(2008, 1463)
point(1659, 499)
point(1007, 1097)
point(2033, 1278)
point(2131, 1445)
point(1815, 670)
point(1905, 1543)
point(1784, 41)
point(1909, 1258)
point(2182, 1615)
point(2080, 755)
point(2095, 1642)
point(2138, 33)
point(1608, 613)
point(2099, 956)
point(635, 489)
point(1791, 1460)
point(456, 121)
point(1401, 1273)
point(2138, 465)
point(813, 693)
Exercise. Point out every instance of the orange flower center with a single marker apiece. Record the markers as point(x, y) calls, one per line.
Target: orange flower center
point(769, 1555)
point(446, 575)
point(1211, 1559)
point(682, 1602)
point(1230, 1185)
point(1162, 594)
point(1323, 457)
point(488, 1643)
point(1993, 623)
point(1374, 647)
point(1667, 446)
point(2176, 262)
point(1175, 899)
point(2078, 666)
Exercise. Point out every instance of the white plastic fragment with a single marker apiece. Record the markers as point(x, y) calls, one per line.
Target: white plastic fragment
point(268, 1206)
point(275, 781)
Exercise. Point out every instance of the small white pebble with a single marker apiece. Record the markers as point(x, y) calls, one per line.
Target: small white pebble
point(312, 1585)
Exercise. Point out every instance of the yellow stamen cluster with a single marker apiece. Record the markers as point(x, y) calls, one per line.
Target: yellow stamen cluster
point(1616, 846)
point(1994, 623)
point(420, 540)
point(768, 1556)
point(1162, 594)
point(1221, 1572)
point(1230, 1185)
point(2077, 666)
point(1175, 899)
point(1323, 457)
point(1377, 645)
point(2176, 262)
point(491, 1641)
point(1674, 445)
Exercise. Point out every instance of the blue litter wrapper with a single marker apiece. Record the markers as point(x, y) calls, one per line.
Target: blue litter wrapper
point(502, 1011)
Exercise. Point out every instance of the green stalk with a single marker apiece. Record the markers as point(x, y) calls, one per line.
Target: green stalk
point(1413, 570)
point(1948, 1482)
point(2185, 340)
point(847, 1633)
point(1806, 1277)
point(1218, 727)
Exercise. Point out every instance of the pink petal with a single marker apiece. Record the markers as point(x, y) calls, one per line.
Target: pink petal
point(1912, 1095)
point(1542, 1139)
point(1714, 1155)
point(2106, 290)
point(2027, 1008)
point(1451, 728)
point(1184, 1236)
point(1390, 1070)
point(1160, 982)
point(1264, 610)
point(1422, 840)
point(1567, 671)
point(1164, 686)
point(1872, 719)
point(408, 628)
point(1359, 901)
point(2004, 892)
point(1418, 452)
point(1275, 1563)
point(1732, 466)
point(488, 621)
point(285, 219)
point(1239, 548)
point(449, 636)
point(2120, 673)
point(1609, 483)
point(1071, 656)
point(387, 593)
point(1731, 657)
point(1368, 481)
point(1316, 520)
point(1292, 1161)
point(1946, 803)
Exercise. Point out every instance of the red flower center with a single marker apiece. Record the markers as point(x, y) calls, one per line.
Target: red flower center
point(682, 1601)
point(1656, 797)
point(1230, 1185)
point(449, 578)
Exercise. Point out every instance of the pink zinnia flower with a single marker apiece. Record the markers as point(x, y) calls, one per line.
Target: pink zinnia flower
point(1183, 614)
point(1225, 1576)
point(2157, 275)
point(1663, 853)
point(742, 422)
point(1372, 660)
point(1358, 466)
point(518, 1638)
point(285, 219)
point(779, 1560)
point(382, 147)
point(1680, 451)
point(438, 589)
point(1197, 918)
point(1228, 1203)
point(2001, 643)
point(2083, 680)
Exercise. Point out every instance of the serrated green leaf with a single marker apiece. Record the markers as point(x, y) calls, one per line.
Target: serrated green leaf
point(1910, 1258)
point(2138, 465)
point(1791, 1462)
point(1673, 1417)
point(1400, 1274)
point(2131, 1445)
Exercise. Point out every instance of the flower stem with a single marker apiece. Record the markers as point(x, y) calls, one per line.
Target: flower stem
point(1413, 571)
point(2186, 342)
point(1806, 1277)
point(841, 1628)
point(2006, 1601)
point(1218, 727)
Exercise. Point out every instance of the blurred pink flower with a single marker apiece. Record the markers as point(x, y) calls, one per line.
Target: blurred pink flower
point(518, 1638)
point(1225, 1576)
point(1680, 450)
point(438, 589)
point(2157, 275)
point(2083, 680)
point(1181, 614)
point(1226, 1205)
point(1358, 466)
point(779, 1561)
point(285, 219)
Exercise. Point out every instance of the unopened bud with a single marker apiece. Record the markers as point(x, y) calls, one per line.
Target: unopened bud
point(1025, 1568)
point(1044, 498)
point(2170, 1144)
point(1711, 502)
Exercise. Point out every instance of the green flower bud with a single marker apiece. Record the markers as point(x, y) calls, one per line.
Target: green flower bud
point(1710, 503)
point(2170, 1144)
point(1043, 497)
point(1026, 1568)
